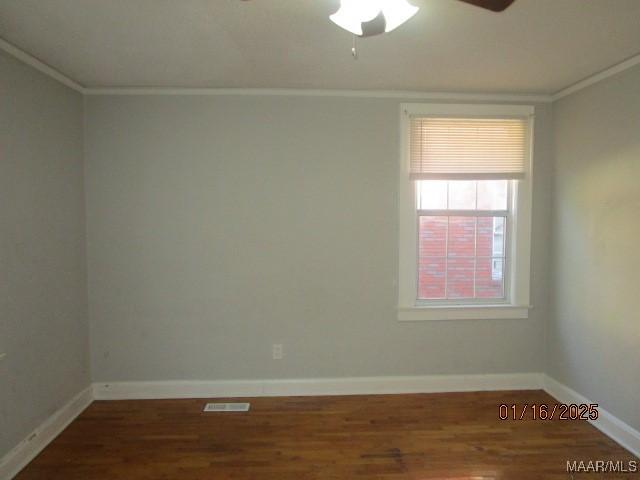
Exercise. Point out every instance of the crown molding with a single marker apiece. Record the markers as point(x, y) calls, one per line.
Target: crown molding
point(597, 77)
point(40, 65)
point(300, 92)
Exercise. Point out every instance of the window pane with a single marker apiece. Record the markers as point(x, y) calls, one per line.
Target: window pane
point(490, 237)
point(492, 194)
point(432, 250)
point(431, 278)
point(461, 238)
point(461, 257)
point(432, 194)
point(462, 195)
point(460, 277)
point(490, 278)
point(432, 241)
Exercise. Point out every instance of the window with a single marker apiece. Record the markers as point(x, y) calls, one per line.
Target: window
point(461, 225)
point(464, 211)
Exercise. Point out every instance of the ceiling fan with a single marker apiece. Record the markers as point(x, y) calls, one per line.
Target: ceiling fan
point(366, 18)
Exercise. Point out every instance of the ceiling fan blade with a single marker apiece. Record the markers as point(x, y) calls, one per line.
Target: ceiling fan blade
point(493, 5)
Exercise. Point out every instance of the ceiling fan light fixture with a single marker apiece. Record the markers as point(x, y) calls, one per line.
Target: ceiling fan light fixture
point(397, 12)
point(352, 14)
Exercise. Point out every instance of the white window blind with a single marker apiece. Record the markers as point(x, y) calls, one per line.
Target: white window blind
point(467, 148)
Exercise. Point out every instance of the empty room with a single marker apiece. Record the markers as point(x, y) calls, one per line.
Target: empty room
point(319, 239)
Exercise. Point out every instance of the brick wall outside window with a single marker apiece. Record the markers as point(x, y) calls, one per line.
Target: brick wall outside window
point(469, 252)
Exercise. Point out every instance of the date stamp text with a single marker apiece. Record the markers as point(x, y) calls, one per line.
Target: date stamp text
point(545, 411)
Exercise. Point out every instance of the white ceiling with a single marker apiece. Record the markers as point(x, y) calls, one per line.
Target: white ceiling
point(536, 46)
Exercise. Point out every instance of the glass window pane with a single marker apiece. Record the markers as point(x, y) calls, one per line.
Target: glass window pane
point(462, 195)
point(432, 194)
point(461, 257)
point(432, 240)
point(490, 278)
point(490, 238)
point(461, 236)
point(460, 277)
point(492, 194)
point(432, 249)
point(431, 278)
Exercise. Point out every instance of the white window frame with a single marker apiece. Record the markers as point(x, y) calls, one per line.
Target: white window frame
point(518, 238)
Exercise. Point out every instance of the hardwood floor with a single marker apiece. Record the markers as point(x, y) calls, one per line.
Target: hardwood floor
point(454, 436)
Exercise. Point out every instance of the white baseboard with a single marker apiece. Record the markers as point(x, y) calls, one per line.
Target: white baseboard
point(30, 447)
point(321, 386)
point(607, 423)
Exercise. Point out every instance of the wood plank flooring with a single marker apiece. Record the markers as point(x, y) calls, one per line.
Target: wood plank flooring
point(453, 436)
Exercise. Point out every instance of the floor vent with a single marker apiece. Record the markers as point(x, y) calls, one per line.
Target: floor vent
point(226, 407)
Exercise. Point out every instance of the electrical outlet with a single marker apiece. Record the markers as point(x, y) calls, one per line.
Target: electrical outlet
point(278, 351)
point(2, 356)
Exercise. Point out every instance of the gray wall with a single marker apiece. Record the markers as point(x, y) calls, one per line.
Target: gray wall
point(594, 335)
point(218, 226)
point(43, 303)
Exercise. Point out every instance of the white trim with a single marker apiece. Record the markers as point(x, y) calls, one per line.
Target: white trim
point(40, 66)
point(301, 92)
point(30, 447)
point(472, 312)
point(320, 386)
point(407, 219)
point(462, 213)
point(597, 77)
point(607, 423)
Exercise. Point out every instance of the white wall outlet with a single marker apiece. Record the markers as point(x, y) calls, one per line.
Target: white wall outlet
point(2, 356)
point(278, 351)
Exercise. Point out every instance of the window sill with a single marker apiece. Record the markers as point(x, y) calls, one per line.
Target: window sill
point(466, 312)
